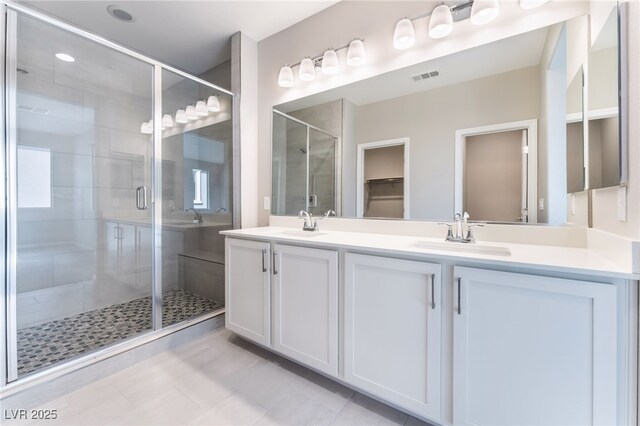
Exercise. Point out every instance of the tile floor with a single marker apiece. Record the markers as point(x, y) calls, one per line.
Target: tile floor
point(54, 341)
point(218, 379)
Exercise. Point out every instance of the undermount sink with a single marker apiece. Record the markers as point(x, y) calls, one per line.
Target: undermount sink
point(464, 248)
point(296, 233)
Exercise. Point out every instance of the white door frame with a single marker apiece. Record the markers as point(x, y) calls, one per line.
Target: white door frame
point(531, 126)
point(360, 172)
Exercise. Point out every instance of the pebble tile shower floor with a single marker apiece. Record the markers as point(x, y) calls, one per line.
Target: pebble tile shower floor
point(54, 341)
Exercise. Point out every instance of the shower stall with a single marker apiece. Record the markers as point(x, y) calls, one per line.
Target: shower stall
point(306, 171)
point(105, 150)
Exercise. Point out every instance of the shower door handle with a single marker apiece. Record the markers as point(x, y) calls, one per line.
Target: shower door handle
point(141, 198)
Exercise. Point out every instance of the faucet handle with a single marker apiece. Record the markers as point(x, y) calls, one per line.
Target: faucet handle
point(329, 213)
point(449, 230)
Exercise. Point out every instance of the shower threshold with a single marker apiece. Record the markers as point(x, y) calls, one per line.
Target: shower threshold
point(61, 340)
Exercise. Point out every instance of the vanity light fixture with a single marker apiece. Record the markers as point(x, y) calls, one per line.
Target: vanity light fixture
point(213, 104)
point(307, 71)
point(181, 116)
point(330, 62)
point(65, 57)
point(404, 35)
point(285, 78)
point(191, 113)
point(484, 11)
point(356, 53)
point(145, 128)
point(532, 4)
point(441, 22)
point(167, 121)
point(327, 63)
point(201, 109)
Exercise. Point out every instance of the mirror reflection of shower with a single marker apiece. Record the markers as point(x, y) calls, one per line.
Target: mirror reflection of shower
point(304, 164)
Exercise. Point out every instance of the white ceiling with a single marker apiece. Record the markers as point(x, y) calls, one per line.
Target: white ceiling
point(521, 51)
point(190, 35)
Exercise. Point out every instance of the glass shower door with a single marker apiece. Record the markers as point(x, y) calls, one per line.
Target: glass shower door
point(196, 175)
point(289, 166)
point(79, 211)
point(322, 172)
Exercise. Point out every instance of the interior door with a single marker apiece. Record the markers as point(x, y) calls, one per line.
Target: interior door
point(495, 176)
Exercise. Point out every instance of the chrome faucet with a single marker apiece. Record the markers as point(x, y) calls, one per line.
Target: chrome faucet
point(460, 223)
point(197, 217)
point(329, 213)
point(309, 224)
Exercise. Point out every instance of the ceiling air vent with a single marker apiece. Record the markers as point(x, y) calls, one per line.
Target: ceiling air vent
point(425, 75)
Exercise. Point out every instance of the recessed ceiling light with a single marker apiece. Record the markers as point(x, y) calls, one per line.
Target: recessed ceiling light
point(65, 57)
point(120, 14)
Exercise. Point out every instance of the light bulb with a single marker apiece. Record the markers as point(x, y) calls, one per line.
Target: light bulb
point(484, 11)
point(330, 62)
point(213, 104)
point(404, 35)
point(181, 116)
point(531, 4)
point(201, 109)
point(65, 57)
point(307, 71)
point(356, 53)
point(441, 22)
point(144, 128)
point(167, 121)
point(285, 78)
point(191, 113)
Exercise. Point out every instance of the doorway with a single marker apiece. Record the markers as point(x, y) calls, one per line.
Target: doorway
point(383, 179)
point(496, 172)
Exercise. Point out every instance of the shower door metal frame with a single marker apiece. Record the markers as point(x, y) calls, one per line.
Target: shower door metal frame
point(9, 380)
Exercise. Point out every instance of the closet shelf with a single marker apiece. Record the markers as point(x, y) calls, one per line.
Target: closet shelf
point(385, 180)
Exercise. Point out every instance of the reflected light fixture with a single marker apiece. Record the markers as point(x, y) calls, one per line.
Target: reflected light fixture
point(144, 128)
point(356, 54)
point(167, 121)
point(191, 113)
point(330, 62)
point(65, 57)
point(201, 109)
point(213, 104)
point(307, 71)
point(532, 4)
point(484, 11)
point(441, 22)
point(285, 78)
point(404, 35)
point(181, 116)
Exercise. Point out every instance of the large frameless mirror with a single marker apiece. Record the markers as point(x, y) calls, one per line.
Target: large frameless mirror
point(503, 139)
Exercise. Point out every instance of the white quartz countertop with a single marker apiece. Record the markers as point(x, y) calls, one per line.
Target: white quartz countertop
point(540, 257)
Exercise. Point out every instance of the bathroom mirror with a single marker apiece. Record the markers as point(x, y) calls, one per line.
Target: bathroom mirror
point(605, 158)
point(490, 139)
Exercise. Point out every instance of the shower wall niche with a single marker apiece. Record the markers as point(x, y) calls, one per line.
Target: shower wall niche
point(101, 168)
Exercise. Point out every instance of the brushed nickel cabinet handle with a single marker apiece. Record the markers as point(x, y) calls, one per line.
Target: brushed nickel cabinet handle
point(264, 268)
point(275, 269)
point(433, 291)
point(459, 298)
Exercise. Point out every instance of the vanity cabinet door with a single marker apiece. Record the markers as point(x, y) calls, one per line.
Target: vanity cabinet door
point(533, 350)
point(392, 331)
point(247, 289)
point(305, 306)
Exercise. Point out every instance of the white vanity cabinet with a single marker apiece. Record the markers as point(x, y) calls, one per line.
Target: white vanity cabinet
point(305, 305)
point(248, 289)
point(533, 350)
point(392, 334)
